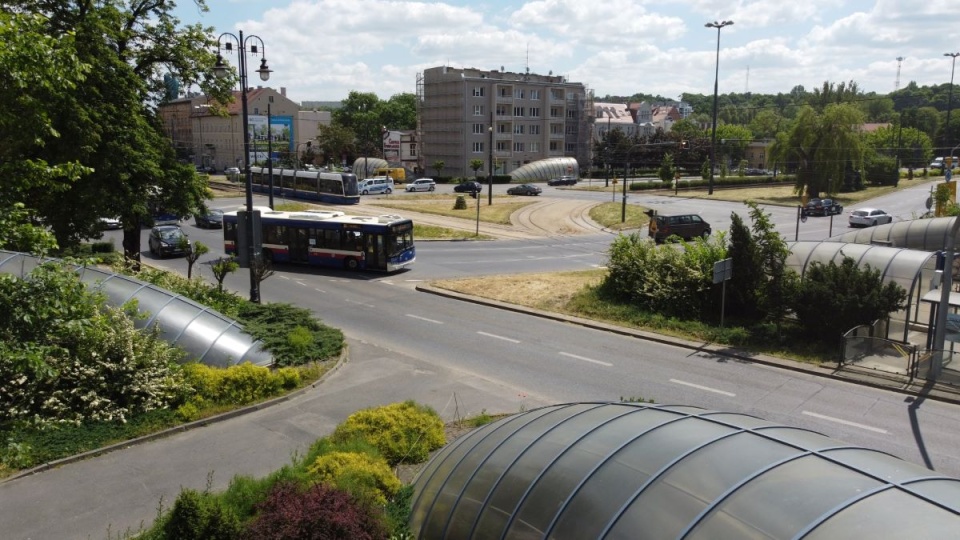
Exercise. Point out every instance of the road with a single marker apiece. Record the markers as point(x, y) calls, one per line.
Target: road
point(462, 358)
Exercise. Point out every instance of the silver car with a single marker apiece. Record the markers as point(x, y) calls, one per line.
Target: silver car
point(423, 184)
point(869, 217)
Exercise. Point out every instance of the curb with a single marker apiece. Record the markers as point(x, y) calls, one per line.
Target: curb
point(861, 376)
point(342, 359)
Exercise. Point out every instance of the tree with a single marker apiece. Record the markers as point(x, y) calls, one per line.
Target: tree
point(766, 124)
point(197, 250)
point(476, 165)
point(438, 166)
point(667, 171)
point(835, 298)
point(221, 267)
point(117, 134)
point(747, 280)
point(399, 112)
point(361, 114)
point(779, 283)
point(336, 143)
point(822, 147)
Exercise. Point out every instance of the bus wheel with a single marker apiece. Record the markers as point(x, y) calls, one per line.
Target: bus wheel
point(351, 263)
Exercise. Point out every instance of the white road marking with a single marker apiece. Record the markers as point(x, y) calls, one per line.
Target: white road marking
point(424, 319)
point(704, 388)
point(499, 337)
point(284, 277)
point(320, 290)
point(845, 422)
point(414, 280)
point(585, 359)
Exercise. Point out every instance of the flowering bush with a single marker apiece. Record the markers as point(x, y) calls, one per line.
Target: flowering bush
point(238, 384)
point(67, 357)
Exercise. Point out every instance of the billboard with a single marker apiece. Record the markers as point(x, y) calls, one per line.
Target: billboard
point(281, 130)
point(391, 147)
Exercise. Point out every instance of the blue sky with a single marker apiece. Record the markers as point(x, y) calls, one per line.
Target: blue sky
point(323, 49)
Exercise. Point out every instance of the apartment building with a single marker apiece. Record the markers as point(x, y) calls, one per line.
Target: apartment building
point(206, 138)
point(513, 118)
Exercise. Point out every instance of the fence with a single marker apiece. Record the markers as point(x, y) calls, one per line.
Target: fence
point(860, 348)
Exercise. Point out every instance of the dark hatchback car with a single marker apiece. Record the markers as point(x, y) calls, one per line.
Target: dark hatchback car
point(562, 181)
point(686, 226)
point(168, 240)
point(212, 219)
point(823, 207)
point(470, 186)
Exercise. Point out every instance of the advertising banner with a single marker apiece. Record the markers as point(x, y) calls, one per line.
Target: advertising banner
point(391, 147)
point(281, 130)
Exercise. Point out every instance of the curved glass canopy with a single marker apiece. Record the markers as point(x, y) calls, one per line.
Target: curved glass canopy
point(206, 335)
point(921, 234)
point(635, 471)
point(545, 169)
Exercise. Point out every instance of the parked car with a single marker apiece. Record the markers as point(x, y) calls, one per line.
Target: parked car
point(524, 189)
point(470, 186)
point(936, 164)
point(212, 219)
point(168, 240)
point(110, 223)
point(231, 170)
point(686, 226)
point(422, 184)
point(823, 207)
point(375, 185)
point(562, 181)
point(869, 217)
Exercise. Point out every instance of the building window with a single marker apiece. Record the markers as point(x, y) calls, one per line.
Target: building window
point(572, 113)
point(571, 148)
point(534, 112)
point(556, 112)
point(535, 94)
point(503, 110)
point(478, 147)
point(518, 93)
point(478, 129)
point(556, 129)
point(518, 129)
point(518, 147)
point(503, 146)
point(534, 129)
point(504, 91)
point(477, 91)
point(503, 128)
point(478, 110)
point(518, 111)
point(554, 146)
point(571, 130)
point(534, 147)
point(413, 149)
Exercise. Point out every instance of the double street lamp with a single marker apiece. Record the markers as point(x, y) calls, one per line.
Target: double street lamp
point(716, 80)
point(225, 42)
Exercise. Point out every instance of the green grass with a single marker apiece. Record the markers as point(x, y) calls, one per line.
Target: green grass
point(609, 215)
point(432, 232)
point(498, 213)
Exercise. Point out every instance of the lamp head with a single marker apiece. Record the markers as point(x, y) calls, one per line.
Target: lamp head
point(220, 68)
point(264, 71)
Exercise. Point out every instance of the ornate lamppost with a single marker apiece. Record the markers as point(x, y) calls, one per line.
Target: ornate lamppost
point(251, 219)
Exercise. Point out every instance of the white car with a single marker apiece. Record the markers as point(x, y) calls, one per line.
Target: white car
point(423, 184)
point(868, 217)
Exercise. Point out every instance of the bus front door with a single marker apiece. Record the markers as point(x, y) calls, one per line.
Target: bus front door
point(376, 256)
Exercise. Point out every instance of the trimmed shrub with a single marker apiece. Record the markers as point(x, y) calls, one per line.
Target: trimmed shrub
point(321, 512)
point(274, 323)
point(199, 515)
point(239, 384)
point(362, 475)
point(460, 203)
point(403, 432)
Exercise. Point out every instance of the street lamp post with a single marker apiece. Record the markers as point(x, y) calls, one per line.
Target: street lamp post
point(716, 81)
point(270, 153)
point(490, 158)
point(953, 65)
point(221, 70)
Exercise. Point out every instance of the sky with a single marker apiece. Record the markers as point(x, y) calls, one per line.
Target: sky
point(321, 50)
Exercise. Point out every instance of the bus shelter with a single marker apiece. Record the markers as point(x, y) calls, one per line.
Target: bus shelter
point(921, 234)
point(915, 271)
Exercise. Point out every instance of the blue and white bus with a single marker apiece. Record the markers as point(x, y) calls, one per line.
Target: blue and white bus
point(330, 238)
point(313, 185)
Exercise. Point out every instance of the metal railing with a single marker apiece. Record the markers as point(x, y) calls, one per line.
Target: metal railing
point(860, 348)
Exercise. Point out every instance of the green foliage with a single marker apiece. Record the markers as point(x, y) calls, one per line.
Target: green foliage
point(398, 512)
point(18, 233)
point(460, 203)
point(198, 250)
point(364, 476)
point(221, 267)
point(705, 170)
point(197, 515)
point(779, 283)
point(666, 171)
point(744, 287)
point(438, 166)
point(238, 384)
point(674, 282)
point(476, 165)
point(403, 432)
point(197, 290)
point(273, 324)
point(67, 357)
point(882, 170)
point(835, 298)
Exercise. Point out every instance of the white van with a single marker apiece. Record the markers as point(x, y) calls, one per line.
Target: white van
point(376, 184)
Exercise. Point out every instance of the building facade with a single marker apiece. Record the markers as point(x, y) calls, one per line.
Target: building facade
point(208, 135)
point(510, 118)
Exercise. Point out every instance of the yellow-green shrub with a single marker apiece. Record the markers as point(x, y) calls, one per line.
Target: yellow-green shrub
point(239, 384)
point(403, 432)
point(363, 475)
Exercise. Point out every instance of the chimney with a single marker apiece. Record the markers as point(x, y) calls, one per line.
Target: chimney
point(283, 91)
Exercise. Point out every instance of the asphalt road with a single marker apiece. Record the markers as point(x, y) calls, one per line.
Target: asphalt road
point(460, 358)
